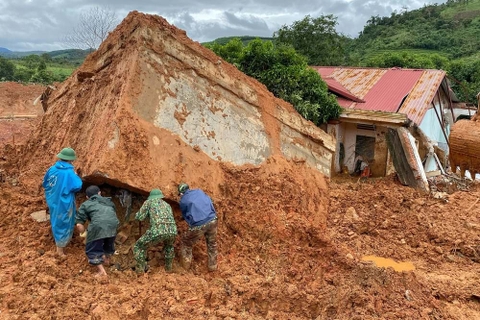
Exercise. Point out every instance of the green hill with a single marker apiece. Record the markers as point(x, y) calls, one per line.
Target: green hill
point(451, 29)
point(70, 54)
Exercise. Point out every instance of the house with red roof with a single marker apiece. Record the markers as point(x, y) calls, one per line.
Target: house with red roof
point(376, 100)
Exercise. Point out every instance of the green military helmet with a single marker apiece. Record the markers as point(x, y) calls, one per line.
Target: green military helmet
point(67, 154)
point(155, 194)
point(182, 187)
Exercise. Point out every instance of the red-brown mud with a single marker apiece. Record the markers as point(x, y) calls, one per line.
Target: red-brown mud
point(291, 242)
point(285, 253)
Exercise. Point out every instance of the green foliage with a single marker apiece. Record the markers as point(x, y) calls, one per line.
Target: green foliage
point(38, 69)
point(452, 28)
point(466, 76)
point(23, 74)
point(7, 69)
point(42, 76)
point(231, 51)
point(407, 60)
point(243, 39)
point(316, 39)
point(285, 73)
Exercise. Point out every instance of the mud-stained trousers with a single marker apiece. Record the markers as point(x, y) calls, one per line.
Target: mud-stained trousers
point(209, 230)
point(150, 239)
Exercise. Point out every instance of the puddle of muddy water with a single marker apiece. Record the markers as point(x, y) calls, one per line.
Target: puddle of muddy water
point(390, 263)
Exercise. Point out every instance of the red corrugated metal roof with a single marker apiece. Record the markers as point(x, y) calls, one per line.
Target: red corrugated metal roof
point(390, 90)
point(335, 86)
point(385, 89)
point(324, 71)
point(421, 96)
point(358, 81)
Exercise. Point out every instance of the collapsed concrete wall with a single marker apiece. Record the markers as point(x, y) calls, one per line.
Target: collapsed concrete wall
point(151, 108)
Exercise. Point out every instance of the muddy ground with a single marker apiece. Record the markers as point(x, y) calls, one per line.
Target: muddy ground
point(273, 264)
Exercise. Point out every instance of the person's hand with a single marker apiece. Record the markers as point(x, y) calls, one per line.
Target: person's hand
point(80, 228)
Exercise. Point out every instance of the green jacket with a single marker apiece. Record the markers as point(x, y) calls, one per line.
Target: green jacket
point(101, 214)
point(161, 216)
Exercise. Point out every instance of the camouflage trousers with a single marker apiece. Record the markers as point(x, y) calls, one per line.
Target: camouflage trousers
point(209, 230)
point(151, 239)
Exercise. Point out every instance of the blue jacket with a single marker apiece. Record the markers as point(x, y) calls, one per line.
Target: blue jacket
point(197, 208)
point(60, 184)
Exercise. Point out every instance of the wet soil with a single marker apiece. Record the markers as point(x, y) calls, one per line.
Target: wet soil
point(291, 246)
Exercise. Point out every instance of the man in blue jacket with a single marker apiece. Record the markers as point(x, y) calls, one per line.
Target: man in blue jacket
point(61, 183)
point(201, 217)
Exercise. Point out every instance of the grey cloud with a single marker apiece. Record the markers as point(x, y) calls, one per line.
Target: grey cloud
point(235, 26)
point(41, 25)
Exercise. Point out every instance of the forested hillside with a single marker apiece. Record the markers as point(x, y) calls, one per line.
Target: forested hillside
point(451, 29)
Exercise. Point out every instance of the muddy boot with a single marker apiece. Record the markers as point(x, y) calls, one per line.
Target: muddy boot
point(186, 257)
point(212, 259)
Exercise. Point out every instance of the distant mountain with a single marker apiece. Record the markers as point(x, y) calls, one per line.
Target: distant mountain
point(73, 55)
point(4, 52)
point(70, 54)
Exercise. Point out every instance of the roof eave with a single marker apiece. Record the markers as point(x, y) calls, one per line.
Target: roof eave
point(374, 117)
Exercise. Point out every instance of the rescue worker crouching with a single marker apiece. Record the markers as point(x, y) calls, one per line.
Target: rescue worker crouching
point(162, 229)
point(201, 217)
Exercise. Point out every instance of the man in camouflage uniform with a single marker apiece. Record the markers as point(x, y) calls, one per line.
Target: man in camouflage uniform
point(198, 211)
point(162, 229)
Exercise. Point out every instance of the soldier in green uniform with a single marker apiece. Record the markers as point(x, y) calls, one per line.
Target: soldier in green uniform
point(102, 228)
point(162, 229)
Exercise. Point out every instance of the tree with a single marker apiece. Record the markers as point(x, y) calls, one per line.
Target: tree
point(46, 57)
point(286, 74)
point(316, 39)
point(23, 74)
point(407, 60)
point(42, 76)
point(93, 27)
point(7, 69)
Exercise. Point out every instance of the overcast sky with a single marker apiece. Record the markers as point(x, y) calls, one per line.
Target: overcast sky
point(27, 25)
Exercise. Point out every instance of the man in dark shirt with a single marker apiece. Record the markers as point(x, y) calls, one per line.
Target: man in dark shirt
point(102, 228)
point(201, 217)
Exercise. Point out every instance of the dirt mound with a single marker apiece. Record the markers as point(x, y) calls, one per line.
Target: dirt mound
point(17, 99)
point(18, 111)
point(438, 235)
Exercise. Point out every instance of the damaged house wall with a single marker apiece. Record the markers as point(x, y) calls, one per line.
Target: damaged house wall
point(366, 140)
point(438, 120)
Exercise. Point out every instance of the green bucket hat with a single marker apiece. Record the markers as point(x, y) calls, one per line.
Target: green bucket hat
point(67, 154)
point(155, 194)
